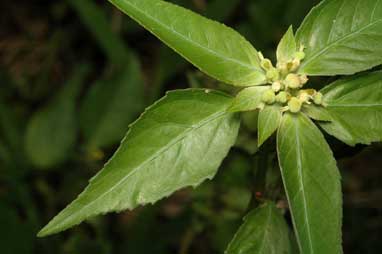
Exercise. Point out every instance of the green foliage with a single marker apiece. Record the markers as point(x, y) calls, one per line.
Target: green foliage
point(317, 113)
point(287, 47)
point(182, 139)
point(248, 99)
point(264, 231)
point(215, 43)
point(312, 184)
point(355, 105)
point(178, 136)
point(269, 121)
point(342, 37)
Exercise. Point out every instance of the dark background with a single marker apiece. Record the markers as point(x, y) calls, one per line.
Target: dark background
point(74, 74)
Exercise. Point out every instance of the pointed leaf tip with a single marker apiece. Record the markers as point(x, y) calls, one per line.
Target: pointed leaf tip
point(176, 143)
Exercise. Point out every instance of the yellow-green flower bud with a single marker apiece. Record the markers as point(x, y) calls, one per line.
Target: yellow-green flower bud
point(276, 86)
point(293, 66)
point(282, 97)
point(304, 79)
point(273, 74)
point(318, 98)
point(304, 97)
point(294, 105)
point(282, 67)
point(300, 55)
point(292, 81)
point(261, 56)
point(266, 64)
point(269, 96)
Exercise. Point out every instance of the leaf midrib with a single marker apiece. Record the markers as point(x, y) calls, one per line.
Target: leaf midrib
point(216, 53)
point(181, 136)
point(300, 173)
point(334, 43)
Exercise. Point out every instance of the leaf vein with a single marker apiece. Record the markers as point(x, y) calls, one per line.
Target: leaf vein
point(334, 43)
point(155, 155)
point(171, 29)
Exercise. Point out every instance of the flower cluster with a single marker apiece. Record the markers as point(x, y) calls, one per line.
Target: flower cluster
point(286, 84)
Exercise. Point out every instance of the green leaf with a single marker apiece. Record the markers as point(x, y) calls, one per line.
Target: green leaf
point(355, 104)
point(248, 99)
point(52, 131)
point(110, 106)
point(312, 184)
point(217, 50)
point(342, 37)
point(179, 141)
point(317, 113)
point(264, 231)
point(287, 47)
point(269, 121)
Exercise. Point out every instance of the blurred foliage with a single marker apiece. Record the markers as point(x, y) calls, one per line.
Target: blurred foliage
point(74, 75)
